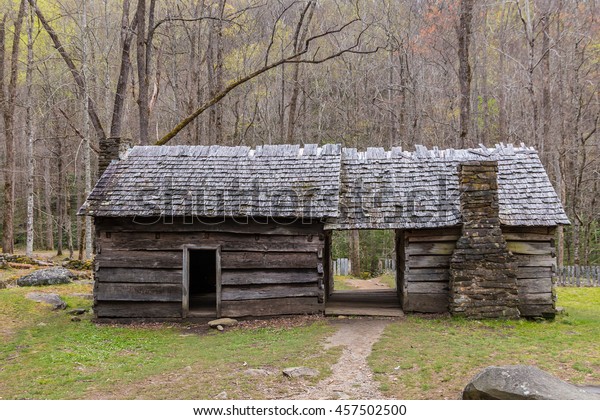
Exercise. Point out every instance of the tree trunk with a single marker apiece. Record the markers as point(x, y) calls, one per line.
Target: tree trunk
point(60, 200)
point(29, 134)
point(355, 252)
point(142, 73)
point(86, 139)
point(464, 69)
point(48, 205)
point(299, 39)
point(120, 94)
point(8, 104)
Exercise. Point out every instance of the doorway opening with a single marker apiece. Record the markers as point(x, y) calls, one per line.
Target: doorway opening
point(363, 277)
point(364, 260)
point(203, 283)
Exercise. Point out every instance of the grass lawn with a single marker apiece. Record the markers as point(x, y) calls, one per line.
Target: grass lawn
point(339, 283)
point(44, 355)
point(434, 358)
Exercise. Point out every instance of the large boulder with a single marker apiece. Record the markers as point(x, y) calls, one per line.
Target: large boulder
point(47, 276)
point(50, 298)
point(522, 383)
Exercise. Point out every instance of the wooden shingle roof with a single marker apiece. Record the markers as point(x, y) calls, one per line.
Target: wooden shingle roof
point(420, 189)
point(347, 189)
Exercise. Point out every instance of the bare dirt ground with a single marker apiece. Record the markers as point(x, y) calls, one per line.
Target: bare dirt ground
point(373, 283)
point(351, 376)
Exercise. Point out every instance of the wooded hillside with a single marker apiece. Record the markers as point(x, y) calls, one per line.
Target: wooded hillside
point(445, 73)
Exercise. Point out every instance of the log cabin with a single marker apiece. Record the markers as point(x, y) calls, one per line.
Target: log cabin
point(213, 231)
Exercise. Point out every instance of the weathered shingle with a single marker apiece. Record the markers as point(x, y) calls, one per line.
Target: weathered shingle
point(399, 189)
point(349, 189)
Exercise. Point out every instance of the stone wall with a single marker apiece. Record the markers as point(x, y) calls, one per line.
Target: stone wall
point(483, 279)
point(112, 148)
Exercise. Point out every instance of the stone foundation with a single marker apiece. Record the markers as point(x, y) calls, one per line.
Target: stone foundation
point(483, 279)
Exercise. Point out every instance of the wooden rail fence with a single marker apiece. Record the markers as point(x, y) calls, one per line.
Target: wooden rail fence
point(578, 276)
point(343, 266)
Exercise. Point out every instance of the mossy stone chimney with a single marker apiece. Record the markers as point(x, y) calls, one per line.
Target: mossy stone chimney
point(483, 279)
point(111, 148)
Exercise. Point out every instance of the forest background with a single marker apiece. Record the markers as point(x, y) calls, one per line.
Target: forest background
point(366, 73)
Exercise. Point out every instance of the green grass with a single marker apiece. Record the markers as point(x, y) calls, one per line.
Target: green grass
point(339, 283)
point(389, 280)
point(421, 358)
point(47, 356)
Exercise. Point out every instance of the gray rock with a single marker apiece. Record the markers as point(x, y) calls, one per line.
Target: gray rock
point(225, 322)
point(49, 298)
point(220, 327)
point(297, 372)
point(593, 389)
point(47, 276)
point(257, 372)
point(76, 311)
point(522, 383)
point(221, 396)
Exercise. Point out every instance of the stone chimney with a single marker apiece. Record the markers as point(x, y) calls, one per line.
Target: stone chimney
point(112, 148)
point(483, 280)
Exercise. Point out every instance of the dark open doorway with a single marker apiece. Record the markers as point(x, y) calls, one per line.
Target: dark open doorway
point(203, 284)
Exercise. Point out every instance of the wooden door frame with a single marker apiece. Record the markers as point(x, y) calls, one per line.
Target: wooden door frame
point(185, 289)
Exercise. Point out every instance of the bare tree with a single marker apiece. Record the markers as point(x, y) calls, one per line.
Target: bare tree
point(294, 58)
point(8, 97)
point(29, 133)
point(464, 68)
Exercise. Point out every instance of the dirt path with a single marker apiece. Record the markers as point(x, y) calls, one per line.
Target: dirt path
point(373, 283)
point(351, 376)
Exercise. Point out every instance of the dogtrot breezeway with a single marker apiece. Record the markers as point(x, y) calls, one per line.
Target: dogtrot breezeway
point(364, 302)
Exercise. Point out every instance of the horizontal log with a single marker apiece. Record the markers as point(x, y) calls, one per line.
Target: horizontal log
point(427, 287)
point(138, 275)
point(534, 273)
point(529, 310)
point(426, 302)
point(426, 274)
point(530, 248)
point(247, 260)
point(535, 261)
point(528, 286)
point(270, 307)
point(415, 233)
point(140, 259)
point(542, 230)
point(138, 309)
point(432, 261)
point(527, 236)
point(433, 238)
point(535, 298)
point(267, 292)
point(158, 224)
point(228, 241)
point(248, 277)
point(430, 248)
point(138, 292)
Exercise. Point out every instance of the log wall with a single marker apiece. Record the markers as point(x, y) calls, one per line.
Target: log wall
point(423, 263)
point(424, 259)
point(535, 251)
point(266, 269)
